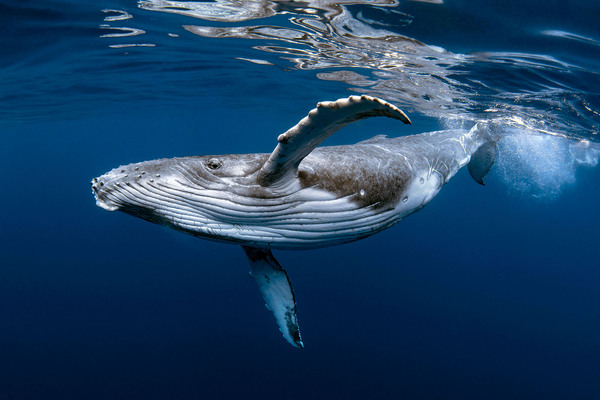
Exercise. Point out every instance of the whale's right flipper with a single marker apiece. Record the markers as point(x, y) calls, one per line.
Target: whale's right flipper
point(277, 291)
point(483, 159)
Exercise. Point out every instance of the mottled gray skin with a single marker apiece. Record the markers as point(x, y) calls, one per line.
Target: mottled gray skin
point(385, 168)
point(339, 193)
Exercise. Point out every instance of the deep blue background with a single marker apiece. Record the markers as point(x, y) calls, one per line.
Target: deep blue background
point(483, 294)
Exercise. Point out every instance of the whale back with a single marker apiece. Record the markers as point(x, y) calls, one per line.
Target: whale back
point(363, 174)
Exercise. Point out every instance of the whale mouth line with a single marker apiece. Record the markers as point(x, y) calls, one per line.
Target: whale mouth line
point(299, 223)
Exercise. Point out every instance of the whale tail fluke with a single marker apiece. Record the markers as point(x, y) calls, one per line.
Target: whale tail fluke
point(483, 159)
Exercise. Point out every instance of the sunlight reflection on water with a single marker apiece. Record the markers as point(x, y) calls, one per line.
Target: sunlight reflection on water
point(340, 42)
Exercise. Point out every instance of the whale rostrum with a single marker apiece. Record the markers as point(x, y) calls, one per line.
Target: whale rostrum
point(300, 196)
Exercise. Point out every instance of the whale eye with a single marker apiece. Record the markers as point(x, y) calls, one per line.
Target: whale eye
point(214, 163)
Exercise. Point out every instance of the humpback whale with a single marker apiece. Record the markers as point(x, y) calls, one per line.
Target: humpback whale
point(300, 196)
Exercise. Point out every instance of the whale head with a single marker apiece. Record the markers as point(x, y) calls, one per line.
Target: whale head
point(191, 193)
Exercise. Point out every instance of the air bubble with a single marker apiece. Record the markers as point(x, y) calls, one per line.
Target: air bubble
point(541, 165)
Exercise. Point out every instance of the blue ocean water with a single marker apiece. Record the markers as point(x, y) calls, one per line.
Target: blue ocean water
point(488, 292)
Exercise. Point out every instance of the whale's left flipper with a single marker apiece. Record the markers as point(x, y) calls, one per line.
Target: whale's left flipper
point(318, 125)
point(277, 291)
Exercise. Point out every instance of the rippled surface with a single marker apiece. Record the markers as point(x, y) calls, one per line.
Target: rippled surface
point(367, 49)
point(535, 76)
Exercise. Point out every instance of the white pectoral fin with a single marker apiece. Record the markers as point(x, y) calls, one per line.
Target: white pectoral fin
point(321, 122)
point(276, 290)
